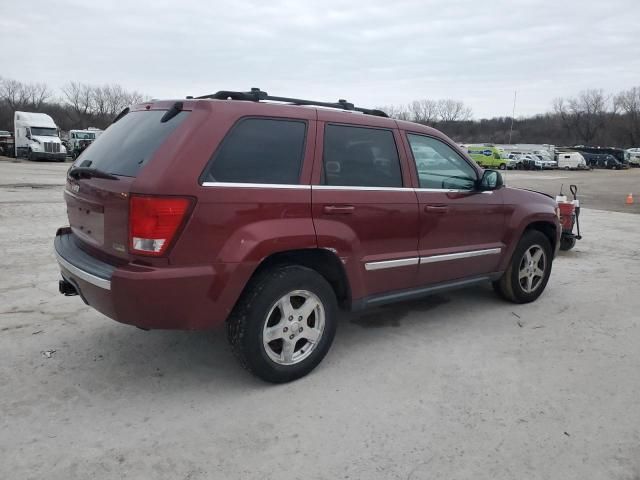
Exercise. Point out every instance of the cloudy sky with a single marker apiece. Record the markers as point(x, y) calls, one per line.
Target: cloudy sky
point(370, 52)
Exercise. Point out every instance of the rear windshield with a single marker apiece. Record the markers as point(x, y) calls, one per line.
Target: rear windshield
point(127, 145)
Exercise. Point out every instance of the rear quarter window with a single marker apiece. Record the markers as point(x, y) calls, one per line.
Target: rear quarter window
point(259, 150)
point(128, 144)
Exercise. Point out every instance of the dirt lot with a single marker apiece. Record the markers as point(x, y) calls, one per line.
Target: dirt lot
point(461, 385)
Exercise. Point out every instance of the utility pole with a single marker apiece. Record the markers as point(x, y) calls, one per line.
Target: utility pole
point(513, 114)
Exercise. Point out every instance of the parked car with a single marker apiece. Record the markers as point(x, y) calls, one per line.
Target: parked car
point(514, 162)
point(547, 163)
point(282, 214)
point(531, 162)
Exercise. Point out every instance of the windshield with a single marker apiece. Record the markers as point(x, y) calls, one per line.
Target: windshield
point(83, 135)
point(129, 143)
point(44, 132)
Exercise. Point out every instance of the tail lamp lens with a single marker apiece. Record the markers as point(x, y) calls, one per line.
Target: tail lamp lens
point(154, 222)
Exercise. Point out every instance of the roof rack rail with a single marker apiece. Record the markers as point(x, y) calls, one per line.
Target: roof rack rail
point(256, 95)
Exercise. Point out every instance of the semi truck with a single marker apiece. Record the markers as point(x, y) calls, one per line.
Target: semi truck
point(37, 137)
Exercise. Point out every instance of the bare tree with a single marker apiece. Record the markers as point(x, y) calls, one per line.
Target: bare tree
point(628, 103)
point(79, 96)
point(14, 93)
point(584, 115)
point(453, 111)
point(37, 94)
point(399, 112)
point(424, 111)
point(100, 101)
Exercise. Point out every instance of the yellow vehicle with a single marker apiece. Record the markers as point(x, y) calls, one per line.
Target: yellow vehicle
point(488, 156)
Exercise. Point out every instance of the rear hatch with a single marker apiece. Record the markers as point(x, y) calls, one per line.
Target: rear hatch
point(98, 198)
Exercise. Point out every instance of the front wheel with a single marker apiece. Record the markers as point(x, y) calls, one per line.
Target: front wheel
point(503, 166)
point(567, 243)
point(529, 269)
point(284, 323)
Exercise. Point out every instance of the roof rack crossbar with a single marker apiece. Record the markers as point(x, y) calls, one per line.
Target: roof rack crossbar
point(256, 95)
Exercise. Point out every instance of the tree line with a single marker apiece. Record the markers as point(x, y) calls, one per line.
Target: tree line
point(592, 117)
point(76, 106)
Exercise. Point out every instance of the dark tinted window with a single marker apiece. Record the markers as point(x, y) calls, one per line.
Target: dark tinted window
point(439, 166)
point(129, 143)
point(362, 157)
point(260, 150)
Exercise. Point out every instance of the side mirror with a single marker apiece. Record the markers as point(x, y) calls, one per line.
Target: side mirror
point(491, 180)
point(28, 135)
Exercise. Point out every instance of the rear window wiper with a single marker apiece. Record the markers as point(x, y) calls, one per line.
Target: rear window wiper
point(89, 172)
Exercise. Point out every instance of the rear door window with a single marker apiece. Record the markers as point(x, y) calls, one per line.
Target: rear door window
point(260, 150)
point(128, 144)
point(360, 157)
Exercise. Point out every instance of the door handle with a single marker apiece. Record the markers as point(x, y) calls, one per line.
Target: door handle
point(436, 209)
point(338, 209)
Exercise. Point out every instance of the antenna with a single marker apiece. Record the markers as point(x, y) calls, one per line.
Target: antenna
point(513, 114)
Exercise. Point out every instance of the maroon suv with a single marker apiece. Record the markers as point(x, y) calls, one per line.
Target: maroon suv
point(270, 213)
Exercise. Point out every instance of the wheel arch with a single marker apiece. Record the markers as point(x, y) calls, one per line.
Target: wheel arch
point(323, 261)
point(547, 228)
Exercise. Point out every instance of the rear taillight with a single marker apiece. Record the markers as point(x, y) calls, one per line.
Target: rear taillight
point(154, 222)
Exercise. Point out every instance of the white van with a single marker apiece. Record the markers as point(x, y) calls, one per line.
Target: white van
point(632, 155)
point(571, 161)
point(37, 137)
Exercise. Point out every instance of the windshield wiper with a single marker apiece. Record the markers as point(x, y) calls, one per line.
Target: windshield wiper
point(88, 172)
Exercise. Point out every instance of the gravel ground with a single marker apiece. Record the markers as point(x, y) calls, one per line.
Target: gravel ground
point(461, 385)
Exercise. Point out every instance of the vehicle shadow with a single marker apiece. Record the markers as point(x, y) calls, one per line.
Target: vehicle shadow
point(117, 355)
point(114, 354)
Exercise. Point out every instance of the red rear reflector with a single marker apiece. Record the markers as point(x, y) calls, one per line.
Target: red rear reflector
point(154, 222)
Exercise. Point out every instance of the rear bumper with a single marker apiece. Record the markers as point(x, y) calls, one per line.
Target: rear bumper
point(183, 298)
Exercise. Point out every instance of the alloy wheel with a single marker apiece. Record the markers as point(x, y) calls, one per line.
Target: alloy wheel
point(293, 327)
point(532, 269)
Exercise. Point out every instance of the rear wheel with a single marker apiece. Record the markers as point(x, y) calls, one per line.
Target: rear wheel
point(503, 166)
point(529, 269)
point(284, 323)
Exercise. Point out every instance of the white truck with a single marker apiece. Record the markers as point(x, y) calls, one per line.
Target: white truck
point(37, 137)
point(78, 137)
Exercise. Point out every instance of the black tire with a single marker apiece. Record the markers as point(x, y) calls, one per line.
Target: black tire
point(503, 166)
point(508, 286)
point(247, 321)
point(567, 243)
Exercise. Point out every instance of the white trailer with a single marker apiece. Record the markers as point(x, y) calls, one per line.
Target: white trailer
point(37, 137)
point(571, 161)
